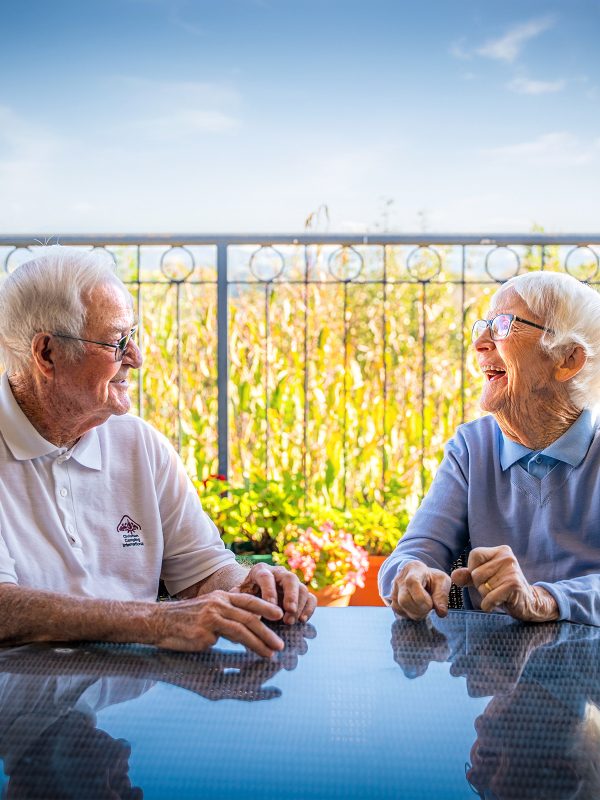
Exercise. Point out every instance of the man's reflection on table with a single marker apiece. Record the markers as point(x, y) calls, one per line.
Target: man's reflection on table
point(50, 697)
point(539, 736)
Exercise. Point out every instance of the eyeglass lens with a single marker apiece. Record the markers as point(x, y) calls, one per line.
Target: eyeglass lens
point(122, 345)
point(499, 327)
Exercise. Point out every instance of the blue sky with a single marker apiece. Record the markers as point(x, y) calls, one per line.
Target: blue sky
point(247, 115)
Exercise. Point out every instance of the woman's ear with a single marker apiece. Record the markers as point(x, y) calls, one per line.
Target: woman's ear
point(570, 364)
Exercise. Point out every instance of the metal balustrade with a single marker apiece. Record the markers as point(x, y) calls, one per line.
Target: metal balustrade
point(437, 280)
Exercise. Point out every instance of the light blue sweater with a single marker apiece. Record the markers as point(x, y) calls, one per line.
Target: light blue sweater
point(552, 524)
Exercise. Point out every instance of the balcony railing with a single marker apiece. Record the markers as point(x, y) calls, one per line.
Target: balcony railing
point(341, 359)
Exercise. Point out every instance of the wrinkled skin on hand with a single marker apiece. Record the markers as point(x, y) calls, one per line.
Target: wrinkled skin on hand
point(196, 624)
point(497, 576)
point(279, 586)
point(419, 589)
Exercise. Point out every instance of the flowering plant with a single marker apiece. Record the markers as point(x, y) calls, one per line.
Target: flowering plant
point(324, 556)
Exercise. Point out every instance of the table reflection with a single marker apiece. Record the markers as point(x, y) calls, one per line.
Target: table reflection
point(50, 744)
point(539, 736)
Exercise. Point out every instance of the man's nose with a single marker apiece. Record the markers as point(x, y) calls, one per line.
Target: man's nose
point(133, 355)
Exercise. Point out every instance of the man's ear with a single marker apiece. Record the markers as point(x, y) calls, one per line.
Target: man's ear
point(570, 364)
point(42, 353)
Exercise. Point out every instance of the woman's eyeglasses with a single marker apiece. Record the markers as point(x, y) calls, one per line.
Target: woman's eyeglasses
point(500, 326)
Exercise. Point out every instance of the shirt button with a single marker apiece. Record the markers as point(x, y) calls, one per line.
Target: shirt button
point(63, 492)
point(70, 529)
point(538, 460)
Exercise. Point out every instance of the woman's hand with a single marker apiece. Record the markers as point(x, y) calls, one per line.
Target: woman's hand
point(497, 576)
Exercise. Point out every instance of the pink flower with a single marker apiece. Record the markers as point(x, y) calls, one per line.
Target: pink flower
point(326, 557)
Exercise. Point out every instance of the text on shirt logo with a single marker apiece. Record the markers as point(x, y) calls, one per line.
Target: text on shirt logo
point(128, 528)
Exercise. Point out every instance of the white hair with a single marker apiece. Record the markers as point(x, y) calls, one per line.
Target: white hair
point(571, 310)
point(49, 293)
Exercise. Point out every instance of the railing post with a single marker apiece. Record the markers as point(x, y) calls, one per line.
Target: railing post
point(222, 360)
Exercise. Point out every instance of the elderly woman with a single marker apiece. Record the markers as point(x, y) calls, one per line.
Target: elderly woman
point(520, 488)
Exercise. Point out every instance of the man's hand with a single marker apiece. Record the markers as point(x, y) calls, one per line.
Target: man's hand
point(497, 576)
point(196, 624)
point(418, 589)
point(279, 586)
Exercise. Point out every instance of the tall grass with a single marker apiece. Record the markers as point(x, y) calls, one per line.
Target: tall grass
point(353, 386)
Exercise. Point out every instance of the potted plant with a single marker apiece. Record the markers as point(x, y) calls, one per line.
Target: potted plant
point(251, 517)
point(326, 558)
point(374, 528)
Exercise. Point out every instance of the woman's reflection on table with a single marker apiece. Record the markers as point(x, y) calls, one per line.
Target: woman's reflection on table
point(539, 736)
point(50, 744)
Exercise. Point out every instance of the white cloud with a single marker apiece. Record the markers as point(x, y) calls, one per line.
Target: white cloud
point(508, 47)
point(458, 50)
point(527, 86)
point(184, 122)
point(175, 92)
point(556, 149)
point(161, 110)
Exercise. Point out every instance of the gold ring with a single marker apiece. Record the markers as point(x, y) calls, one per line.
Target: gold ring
point(487, 586)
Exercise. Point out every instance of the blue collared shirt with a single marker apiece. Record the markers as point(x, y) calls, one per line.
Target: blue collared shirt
point(570, 448)
point(489, 491)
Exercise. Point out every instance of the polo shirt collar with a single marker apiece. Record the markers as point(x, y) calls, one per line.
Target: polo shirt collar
point(571, 447)
point(26, 443)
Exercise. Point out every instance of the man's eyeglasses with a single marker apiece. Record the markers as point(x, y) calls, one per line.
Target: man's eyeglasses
point(120, 347)
point(501, 325)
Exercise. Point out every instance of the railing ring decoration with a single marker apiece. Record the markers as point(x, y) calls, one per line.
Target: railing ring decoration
point(274, 255)
point(185, 271)
point(489, 268)
point(346, 254)
point(595, 259)
point(105, 249)
point(435, 267)
point(7, 268)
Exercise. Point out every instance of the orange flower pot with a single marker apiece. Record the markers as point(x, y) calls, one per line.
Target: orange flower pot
point(369, 594)
point(331, 596)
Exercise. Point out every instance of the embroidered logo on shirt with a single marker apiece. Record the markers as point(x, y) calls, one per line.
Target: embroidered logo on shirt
point(128, 528)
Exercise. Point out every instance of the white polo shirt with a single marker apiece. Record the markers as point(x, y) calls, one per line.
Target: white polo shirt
point(105, 519)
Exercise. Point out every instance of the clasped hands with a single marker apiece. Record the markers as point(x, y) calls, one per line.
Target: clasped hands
point(265, 593)
point(493, 571)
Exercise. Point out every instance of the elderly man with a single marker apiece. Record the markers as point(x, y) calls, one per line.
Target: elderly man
point(95, 505)
point(519, 488)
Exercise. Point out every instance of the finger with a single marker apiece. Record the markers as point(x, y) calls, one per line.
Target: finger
point(481, 555)
point(440, 586)
point(307, 603)
point(248, 630)
point(256, 605)
point(266, 581)
point(497, 597)
point(490, 574)
point(289, 585)
point(418, 602)
point(461, 577)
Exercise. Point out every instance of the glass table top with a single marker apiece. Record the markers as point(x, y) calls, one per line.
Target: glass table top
point(359, 705)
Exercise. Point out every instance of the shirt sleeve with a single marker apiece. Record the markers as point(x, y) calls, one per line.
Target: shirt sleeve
point(438, 533)
point(7, 564)
point(578, 598)
point(193, 549)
